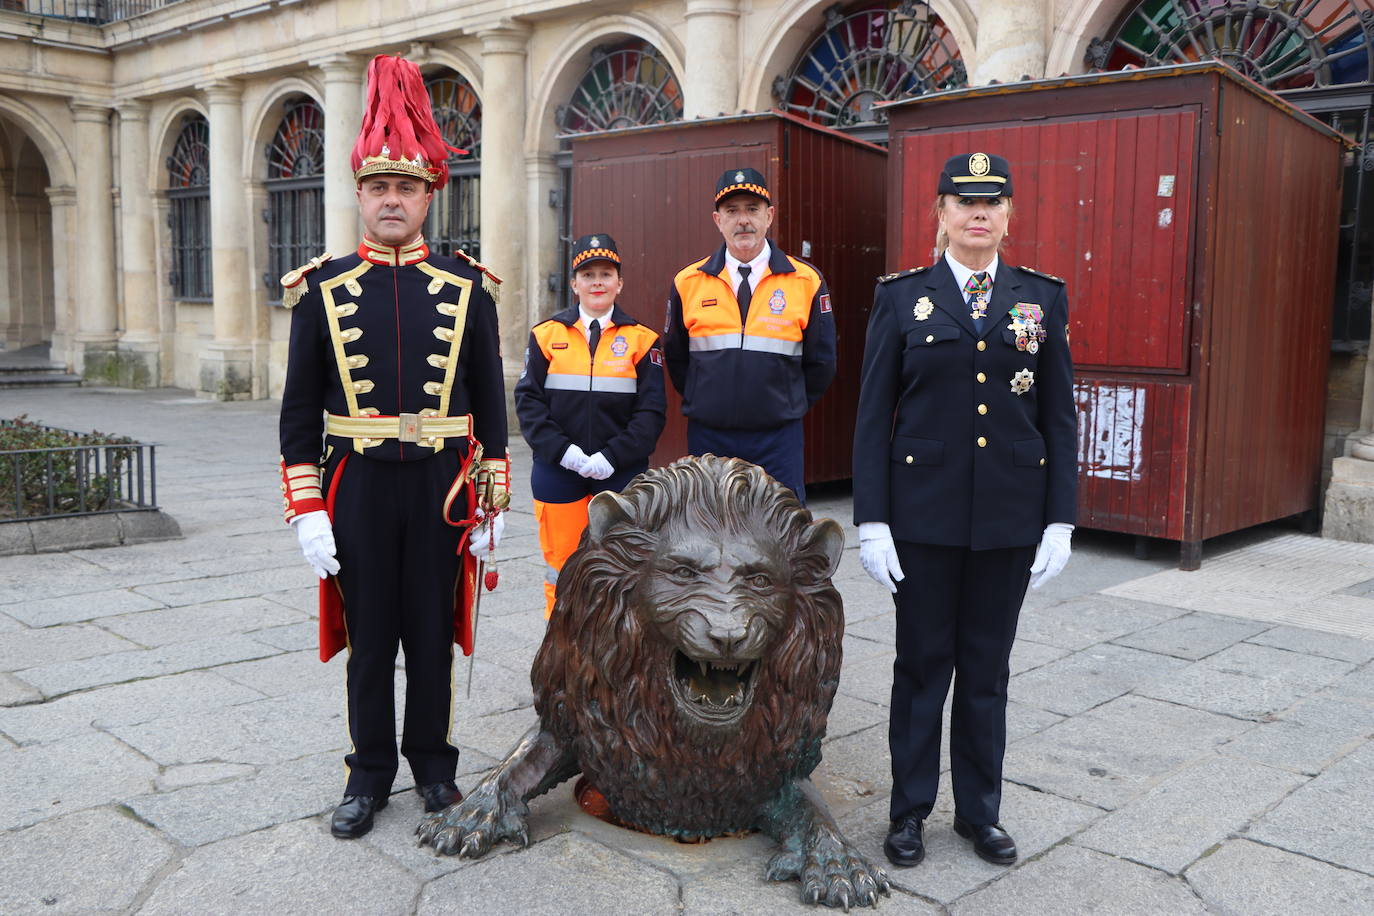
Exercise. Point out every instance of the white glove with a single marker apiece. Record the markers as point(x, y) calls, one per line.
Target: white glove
point(316, 537)
point(597, 467)
point(878, 554)
point(1052, 553)
point(574, 459)
point(480, 542)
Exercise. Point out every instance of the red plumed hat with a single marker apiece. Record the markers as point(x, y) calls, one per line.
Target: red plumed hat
point(399, 135)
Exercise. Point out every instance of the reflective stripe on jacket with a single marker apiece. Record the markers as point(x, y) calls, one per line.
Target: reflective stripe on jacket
point(613, 404)
point(759, 373)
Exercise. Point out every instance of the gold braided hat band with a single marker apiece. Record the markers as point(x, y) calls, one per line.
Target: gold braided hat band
point(408, 427)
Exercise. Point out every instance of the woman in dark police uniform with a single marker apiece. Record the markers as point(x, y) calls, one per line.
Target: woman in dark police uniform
point(964, 461)
point(590, 401)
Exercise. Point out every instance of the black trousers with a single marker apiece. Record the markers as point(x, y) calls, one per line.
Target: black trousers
point(956, 615)
point(398, 569)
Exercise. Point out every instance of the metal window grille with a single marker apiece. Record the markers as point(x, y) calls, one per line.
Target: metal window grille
point(870, 52)
point(188, 181)
point(295, 192)
point(626, 85)
point(96, 12)
point(1318, 57)
point(455, 214)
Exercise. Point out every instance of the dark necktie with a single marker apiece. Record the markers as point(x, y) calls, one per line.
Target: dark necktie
point(594, 337)
point(744, 293)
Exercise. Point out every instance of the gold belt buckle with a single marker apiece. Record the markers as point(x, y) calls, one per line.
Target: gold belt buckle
point(410, 427)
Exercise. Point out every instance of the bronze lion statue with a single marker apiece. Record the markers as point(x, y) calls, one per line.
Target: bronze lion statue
point(687, 671)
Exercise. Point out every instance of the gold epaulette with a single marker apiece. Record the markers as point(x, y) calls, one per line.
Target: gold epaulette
point(293, 282)
point(1032, 270)
point(490, 282)
point(885, 278)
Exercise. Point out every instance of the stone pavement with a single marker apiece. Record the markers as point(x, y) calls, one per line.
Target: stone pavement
point(170, 743)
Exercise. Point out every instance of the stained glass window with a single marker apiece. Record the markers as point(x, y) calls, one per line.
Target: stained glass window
point(870, 52)
point(627, 85)
point(295, 192)
point(188, 188)
point(455, 213)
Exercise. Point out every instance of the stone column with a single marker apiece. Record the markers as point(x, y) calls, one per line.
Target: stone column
point(226, 365)
point(140, 347)
point(1349, 511)
point(710, 85)
point(96, 305)
point(503, 181)
point(62, 201)
point(344, 87)
point(1010, 42)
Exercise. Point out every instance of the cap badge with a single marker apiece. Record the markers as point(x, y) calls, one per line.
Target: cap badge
point(978, 164)
point(595, 242)
point(923, 308)
point(739, 176)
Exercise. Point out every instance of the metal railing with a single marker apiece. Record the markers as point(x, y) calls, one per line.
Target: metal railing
point(74, 480)
point(95, 12)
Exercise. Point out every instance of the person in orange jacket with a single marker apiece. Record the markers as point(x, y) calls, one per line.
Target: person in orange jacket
point(590, 402)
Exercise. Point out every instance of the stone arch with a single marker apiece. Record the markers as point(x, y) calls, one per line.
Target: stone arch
point(266, 118)
point(47, 139)
point(568, 63)
point(457, 60)
point(1083, 21)
point(166, 132)
point(28, 314)
point(796, 23)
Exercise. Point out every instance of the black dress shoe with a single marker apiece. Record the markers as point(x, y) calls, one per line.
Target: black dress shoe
point(905, 845)
point(353, 817)
point(439, 795)
point(990, 841)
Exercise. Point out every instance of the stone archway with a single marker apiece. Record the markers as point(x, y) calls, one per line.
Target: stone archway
point(28, 315)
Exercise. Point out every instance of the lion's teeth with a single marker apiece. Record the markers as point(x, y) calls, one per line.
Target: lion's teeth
point(705, 672)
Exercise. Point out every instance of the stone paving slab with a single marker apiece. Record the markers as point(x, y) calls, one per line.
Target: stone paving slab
point(1329, 817)
point(1194, 809)
point(1082, 622)
point(1315, 642)
point(60, 643)
point(1091, 677)
point(1245, 877)
point(589, 878)
point(1308, 736)
point(190, 693)
point(1193, 636)
point(1071, 879)
point(1027, 655)
point(75, 607)
point(293, 868)
point(45, 781)
point(97, 860)
point(65, 677)
point(1115, 752)
point(163, 627)
point(1247, 681)
point(236, 585)
point(14, 692)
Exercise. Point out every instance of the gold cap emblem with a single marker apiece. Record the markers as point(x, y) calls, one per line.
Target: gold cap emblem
point(739, 176)
point(978, 164)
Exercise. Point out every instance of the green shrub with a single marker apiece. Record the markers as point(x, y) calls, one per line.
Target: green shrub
point(96, 473)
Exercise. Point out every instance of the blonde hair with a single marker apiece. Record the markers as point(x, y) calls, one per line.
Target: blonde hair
point(942, 237)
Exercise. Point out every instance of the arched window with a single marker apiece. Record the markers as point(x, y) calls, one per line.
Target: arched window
point(870, 52)
point(455, 213)
point(188, 188)
point(1317, 55)
point(627, 84)
point(295, 191)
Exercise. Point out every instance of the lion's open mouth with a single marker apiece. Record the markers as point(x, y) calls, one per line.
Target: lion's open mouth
point(716, 691)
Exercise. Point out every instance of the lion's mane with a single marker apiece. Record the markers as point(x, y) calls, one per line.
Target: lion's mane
point(601, 675)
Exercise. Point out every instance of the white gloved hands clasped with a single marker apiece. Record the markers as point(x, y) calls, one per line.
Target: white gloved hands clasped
point(1052, 553)
point(316, 537)
point(878, 554)
point(486, 534)
point(598, 467)
point(574, 459)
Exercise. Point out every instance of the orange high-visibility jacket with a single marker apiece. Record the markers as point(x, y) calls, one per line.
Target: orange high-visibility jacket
point(757, 374)
point(611, 402)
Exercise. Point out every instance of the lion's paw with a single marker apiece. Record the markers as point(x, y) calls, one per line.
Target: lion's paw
point(472, 827)
point(831, 871)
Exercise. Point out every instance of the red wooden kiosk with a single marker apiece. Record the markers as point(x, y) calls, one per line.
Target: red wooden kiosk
point(651, 188)
point(1194, 216)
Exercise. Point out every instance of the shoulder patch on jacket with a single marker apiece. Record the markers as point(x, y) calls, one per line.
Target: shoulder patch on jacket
point(490, 282)
point(1034, 272)
point(886, 278)
point(293, 282)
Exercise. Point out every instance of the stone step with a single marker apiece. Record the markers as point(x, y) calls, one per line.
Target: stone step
point(43, 379)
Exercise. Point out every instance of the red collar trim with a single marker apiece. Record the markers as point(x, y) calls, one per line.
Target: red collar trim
point(387, 256)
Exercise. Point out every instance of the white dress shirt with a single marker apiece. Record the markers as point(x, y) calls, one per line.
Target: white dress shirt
point(757, 267)
point(962, 273)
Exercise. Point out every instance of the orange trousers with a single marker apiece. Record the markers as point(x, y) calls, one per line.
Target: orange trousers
point(560, 530)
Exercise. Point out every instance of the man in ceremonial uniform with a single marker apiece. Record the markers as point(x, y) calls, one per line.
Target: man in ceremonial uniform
point(393, 443)
point(750, 338)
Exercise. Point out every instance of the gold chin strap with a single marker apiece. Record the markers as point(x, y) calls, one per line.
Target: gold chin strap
point(408, 427)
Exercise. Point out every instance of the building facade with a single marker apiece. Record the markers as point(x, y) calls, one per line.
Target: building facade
point(162, 162)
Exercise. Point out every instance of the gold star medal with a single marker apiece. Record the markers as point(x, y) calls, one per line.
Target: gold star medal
point(923, 308)
point(1021, 382)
